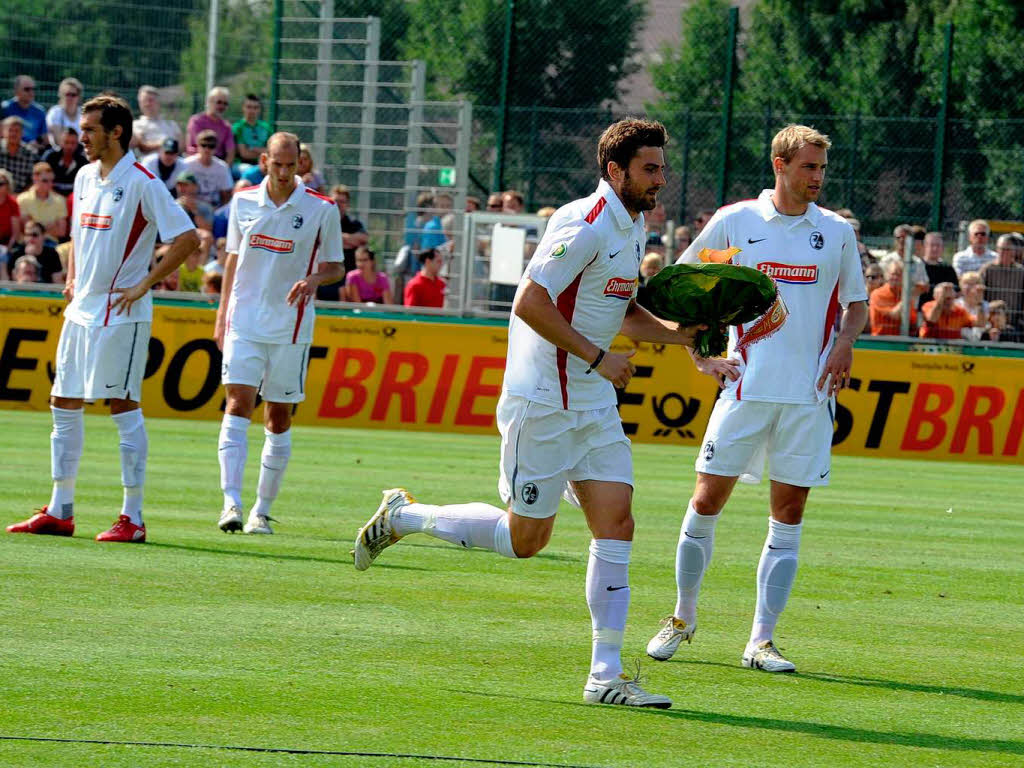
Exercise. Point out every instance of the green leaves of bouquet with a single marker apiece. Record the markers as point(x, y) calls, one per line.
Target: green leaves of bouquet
point(718, 295)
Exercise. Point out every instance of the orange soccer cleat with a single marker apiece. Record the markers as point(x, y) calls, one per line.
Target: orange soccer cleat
point(124, 530)
point(44, 523)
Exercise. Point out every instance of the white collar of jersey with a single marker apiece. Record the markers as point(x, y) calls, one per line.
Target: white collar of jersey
point(118, 170)
point(769, 212)
point(264, 199)
point(622, 218)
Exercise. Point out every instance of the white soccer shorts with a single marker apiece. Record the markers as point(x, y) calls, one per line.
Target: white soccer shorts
point(279, 370)
point(795, 439)
point(543, 449)
point(100, 362)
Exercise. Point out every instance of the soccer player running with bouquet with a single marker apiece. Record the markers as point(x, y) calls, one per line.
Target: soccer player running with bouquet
point(560, 431)
point(778, 394)
point(283, 241)
point(101, 355)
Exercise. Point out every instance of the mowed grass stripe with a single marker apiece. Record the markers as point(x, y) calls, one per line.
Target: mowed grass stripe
point(904, 621)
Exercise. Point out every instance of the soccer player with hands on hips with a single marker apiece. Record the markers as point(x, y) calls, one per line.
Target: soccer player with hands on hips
point(560, 430)
point(777, 400)
point(283, 241)
point(119, 208)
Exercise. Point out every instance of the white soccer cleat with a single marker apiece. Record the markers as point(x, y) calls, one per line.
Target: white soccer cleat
point(766, 657)
point(673, 631)
point(258, 524)
point(624, 690)
point(377, 535)
point(230, 520)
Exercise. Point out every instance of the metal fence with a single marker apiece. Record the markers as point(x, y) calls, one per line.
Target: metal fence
point(119, 45)
point(539, 101)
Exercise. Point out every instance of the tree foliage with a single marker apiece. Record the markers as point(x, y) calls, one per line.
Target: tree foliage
point(564, 54)
point(870, 72)
point(110, 44)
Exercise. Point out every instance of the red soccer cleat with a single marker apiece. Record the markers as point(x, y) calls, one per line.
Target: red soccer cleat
point(44, 523)
point(124, 530)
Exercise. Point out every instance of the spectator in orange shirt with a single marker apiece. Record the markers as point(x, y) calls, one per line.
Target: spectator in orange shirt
point(886, 303)
point(943, 317)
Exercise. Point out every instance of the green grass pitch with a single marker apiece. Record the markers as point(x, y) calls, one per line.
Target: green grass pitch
point(904, 623)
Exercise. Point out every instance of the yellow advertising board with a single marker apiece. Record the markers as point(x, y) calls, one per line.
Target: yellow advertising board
point(446, 376)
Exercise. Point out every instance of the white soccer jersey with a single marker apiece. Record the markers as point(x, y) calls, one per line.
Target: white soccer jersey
point(277, 246)
point(589, 260)
point(114, 230)
point(813, 259)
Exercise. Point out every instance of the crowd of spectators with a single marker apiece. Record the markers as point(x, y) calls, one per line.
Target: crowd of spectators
point(202, 167)
point(974, 294)
point(978, 295)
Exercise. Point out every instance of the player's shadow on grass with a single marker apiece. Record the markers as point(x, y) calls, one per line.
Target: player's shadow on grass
point(820, 730)
point(540, 556)
point(275, 556)
point(892, 685)
point(896, 685)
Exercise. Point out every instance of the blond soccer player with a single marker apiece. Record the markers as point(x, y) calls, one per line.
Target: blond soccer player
point(283, 241)
point(778, 395)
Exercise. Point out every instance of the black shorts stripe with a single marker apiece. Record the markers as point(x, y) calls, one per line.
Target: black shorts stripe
point(515, 469)
point(131, 357)
point(302, 371)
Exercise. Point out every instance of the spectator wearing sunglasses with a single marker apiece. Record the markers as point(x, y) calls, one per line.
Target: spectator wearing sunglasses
point(35, 246)
point(33, 117)
point(212, 174)
point(213, 120)
point(41, 204)
point(66, 113)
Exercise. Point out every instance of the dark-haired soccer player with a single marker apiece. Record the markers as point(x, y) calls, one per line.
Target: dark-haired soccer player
point(560, 429)
point(119, 207)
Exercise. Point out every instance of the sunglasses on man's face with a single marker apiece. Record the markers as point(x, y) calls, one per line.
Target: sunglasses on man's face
point(207, 145)
point(33, 234)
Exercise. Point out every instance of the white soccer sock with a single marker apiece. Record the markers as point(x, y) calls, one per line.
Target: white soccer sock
point(693, 555)
point(608, 600)
point(231, 450)
point(277, 449)
point(66, 442)
point(134, 445)
point(775, 576)
point(468, 525)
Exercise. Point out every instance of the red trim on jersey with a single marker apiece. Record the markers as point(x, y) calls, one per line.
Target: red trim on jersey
point(133, 238)
point(247, 189)
point(743, 354)
point(309, 270)
point(567, 306)
point(139, 166)
point(591, 217)
point(830, 316)
point(325, 198)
